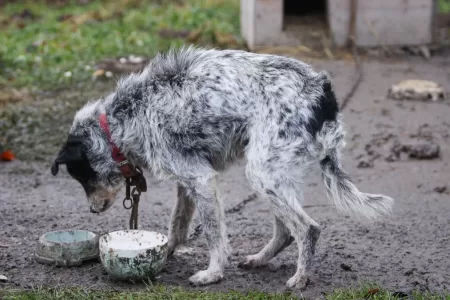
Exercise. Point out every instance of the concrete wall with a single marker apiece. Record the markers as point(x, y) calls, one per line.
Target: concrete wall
point(261, 21)
point(388, 22)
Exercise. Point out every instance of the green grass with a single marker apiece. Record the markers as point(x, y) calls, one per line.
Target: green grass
point(157, 293)
point(370, 292)
point(444, 6)
point(374, 292)
point(38, 51)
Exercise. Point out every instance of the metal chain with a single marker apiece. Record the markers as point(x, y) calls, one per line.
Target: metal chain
point(134, 212)
point(133, 197)
point(127, 194)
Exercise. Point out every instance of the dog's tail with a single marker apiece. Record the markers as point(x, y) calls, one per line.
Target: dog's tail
point(339, 186)
point(347, 197)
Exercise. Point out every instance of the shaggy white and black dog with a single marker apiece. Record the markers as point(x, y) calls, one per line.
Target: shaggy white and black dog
point(190, 113)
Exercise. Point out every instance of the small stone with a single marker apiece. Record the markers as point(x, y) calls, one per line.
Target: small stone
point(346, 267)
point(428, 150)
point(409, 272)
point(385, 112)
point(339, 245)
point(135, 59)
point(184, 250)
point(364, 164)
point(392, 157)
point(3, 278)
point(440, 189)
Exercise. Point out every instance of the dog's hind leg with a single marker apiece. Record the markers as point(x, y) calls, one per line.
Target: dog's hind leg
point(281, 239)
point(181, 218)
point(210, 210)
point(275, 183)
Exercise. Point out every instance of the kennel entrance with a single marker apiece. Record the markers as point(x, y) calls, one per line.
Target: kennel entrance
point(388, 22)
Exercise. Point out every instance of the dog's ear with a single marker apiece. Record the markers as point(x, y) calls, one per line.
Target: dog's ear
point(55, 168)
point(71, 152)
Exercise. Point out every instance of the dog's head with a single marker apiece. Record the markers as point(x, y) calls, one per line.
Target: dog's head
point(98, 175)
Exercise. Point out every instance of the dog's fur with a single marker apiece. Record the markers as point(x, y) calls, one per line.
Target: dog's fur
point(190, 113)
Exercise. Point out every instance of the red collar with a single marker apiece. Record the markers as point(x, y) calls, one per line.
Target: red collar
point(127, 169)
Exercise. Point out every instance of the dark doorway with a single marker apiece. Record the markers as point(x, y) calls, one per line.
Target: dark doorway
point(305, 23)
point(299, 8)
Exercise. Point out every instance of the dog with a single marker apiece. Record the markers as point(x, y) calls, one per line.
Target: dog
point(192, 112)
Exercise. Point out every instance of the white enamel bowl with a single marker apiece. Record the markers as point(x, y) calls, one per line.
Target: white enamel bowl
point(133, 254)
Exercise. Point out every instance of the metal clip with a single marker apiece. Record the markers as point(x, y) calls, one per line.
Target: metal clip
point(127, 195)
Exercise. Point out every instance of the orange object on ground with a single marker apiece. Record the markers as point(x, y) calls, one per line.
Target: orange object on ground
point(7, 155)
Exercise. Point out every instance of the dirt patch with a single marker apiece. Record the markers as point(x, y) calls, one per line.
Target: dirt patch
point(405, 252)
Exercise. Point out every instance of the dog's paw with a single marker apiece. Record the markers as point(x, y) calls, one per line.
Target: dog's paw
point(206, 277)
point(297, 282)
point(252, 261)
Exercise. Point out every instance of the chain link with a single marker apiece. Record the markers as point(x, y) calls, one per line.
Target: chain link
point(132, 196)
point(127, 194)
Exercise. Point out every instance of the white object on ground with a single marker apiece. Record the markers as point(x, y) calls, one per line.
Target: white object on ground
point(3, 278)
point(414, 89)
point(135, 59)
point(180, 250)
point(133, 254)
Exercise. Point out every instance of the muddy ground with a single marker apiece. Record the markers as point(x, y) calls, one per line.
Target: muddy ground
point(405, 252)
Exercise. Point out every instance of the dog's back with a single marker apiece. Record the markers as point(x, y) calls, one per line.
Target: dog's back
point(205, 101)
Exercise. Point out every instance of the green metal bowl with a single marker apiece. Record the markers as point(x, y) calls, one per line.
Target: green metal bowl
point(67, 248)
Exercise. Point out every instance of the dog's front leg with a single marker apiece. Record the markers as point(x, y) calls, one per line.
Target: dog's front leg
point(181, 218)
point(211, 214)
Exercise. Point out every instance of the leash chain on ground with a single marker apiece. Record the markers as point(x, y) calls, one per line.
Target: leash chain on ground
point(357, 82)
point(199, 228)
point(241, 204)
point(352, 44)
